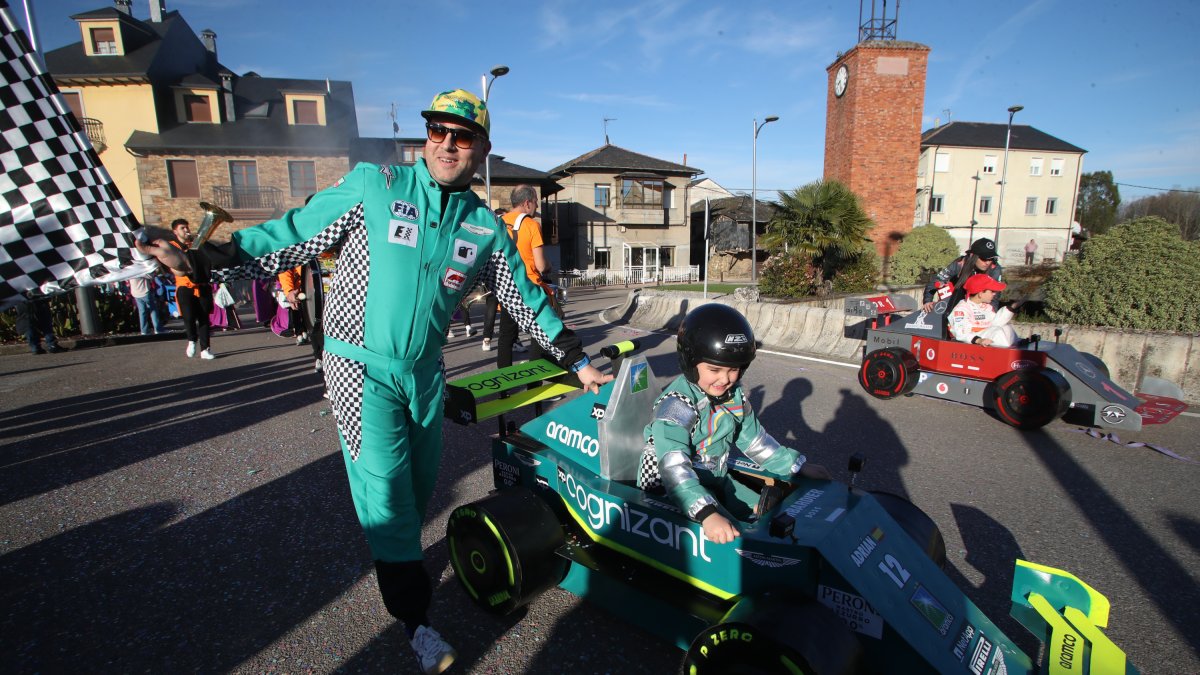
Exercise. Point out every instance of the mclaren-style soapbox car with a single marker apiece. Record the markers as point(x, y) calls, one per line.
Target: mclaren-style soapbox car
point(828, 578)
point(909, 350)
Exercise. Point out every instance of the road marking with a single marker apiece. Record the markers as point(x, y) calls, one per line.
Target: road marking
point(810, 358)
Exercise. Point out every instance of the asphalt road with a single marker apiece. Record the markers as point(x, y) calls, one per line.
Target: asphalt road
point(165, 514)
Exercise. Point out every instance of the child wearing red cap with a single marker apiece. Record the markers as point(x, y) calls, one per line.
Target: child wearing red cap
point(976, 321)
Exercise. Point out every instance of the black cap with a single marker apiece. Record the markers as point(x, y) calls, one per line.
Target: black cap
point(985, 249)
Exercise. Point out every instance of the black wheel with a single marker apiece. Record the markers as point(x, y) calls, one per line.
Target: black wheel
point(1030, 399)
point(775, 633)
point(503, 549)
point(888, 373)
point(919, 526)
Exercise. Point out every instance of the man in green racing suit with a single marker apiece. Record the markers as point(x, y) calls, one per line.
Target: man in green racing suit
point(414, 240)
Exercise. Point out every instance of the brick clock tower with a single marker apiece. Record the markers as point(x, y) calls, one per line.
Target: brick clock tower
point(874, 102)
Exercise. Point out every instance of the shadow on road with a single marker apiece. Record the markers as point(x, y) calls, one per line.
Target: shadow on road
point(1151, 566)
point(146, 591)
point(126, 425)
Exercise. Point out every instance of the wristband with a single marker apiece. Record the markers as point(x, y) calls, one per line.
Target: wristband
point(801, 460)
point(580, 364)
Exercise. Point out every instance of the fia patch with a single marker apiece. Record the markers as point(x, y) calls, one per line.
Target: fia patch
point(477, 229)
point(405, 210)
point(465, 252)
point(453, 279)
point(400, 232)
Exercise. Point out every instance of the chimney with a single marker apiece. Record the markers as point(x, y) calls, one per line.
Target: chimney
point(209, 38)
point(227, 85)
point(157, 7)
point(124, 6)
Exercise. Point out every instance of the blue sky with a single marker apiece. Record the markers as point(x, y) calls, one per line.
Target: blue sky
point(1118, 78)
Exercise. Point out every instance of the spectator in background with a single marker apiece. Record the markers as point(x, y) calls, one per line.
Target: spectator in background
point(292, 284)
point(1030, 251)
point(34, 320)
point(526, 231)
point(145, 297)
point(193, 293)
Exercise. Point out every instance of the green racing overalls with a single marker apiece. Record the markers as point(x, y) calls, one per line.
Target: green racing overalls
point(410, 250)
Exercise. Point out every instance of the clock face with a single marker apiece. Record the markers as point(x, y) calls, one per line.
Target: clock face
point(840, 80)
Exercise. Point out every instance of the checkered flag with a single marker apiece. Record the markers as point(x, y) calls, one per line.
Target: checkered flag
point(62, 221)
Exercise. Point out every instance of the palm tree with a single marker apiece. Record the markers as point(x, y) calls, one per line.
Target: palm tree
point(823, 219)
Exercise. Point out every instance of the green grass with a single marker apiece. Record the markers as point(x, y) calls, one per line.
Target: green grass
point(712, 288)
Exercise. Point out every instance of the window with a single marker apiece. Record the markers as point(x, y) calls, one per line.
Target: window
point(1031, 206)
point(602, 196)
point(1051, 205)
point(936, 202)
point(985, 204)
point(75, 102)
point(303, 178)
point(104, 41)
point(243, 177)
point(409, 154)
point(1056, 167)
point(642, 193)
point(1035, 166)
point(182, 179)
point(942, 163)
point(305, 112)
point(602, 258)
point(666, 256)
point(196, 108)
point(989, 164)
point(668, 196)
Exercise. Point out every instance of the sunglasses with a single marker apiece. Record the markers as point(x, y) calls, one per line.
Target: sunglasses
point(460, 137)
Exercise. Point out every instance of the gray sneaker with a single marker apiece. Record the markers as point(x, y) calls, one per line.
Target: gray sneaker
point(518, 347)
point(487, 345)
point(432, 651)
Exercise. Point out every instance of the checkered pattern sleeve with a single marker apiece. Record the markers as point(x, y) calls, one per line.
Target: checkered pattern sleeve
point(299, 236)
point(528, 304)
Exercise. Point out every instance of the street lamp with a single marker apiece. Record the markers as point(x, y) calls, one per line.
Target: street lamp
point(974, 206)
point(754, 196)
point(1004, 174)
point(486, 85)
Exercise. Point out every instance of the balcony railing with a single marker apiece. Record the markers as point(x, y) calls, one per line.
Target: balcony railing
point(248, 198)
point(94, 129)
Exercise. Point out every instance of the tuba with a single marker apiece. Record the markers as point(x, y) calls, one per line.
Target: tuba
point(214, 217)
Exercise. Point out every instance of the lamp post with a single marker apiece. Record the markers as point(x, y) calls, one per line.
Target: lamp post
point(974, 206)
point(1004, 174)
point(754, 196)
point(486, 84)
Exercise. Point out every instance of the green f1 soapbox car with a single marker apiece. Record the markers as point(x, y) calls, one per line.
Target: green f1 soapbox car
point(828, 578)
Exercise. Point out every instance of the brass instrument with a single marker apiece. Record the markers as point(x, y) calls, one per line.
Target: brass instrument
point(214, 217)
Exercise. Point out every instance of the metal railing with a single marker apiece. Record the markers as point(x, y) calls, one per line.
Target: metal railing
point(234, 198)
point(94, 129)
point(633, 274)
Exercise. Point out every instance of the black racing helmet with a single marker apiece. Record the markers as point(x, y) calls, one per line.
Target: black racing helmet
point(714, 333)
